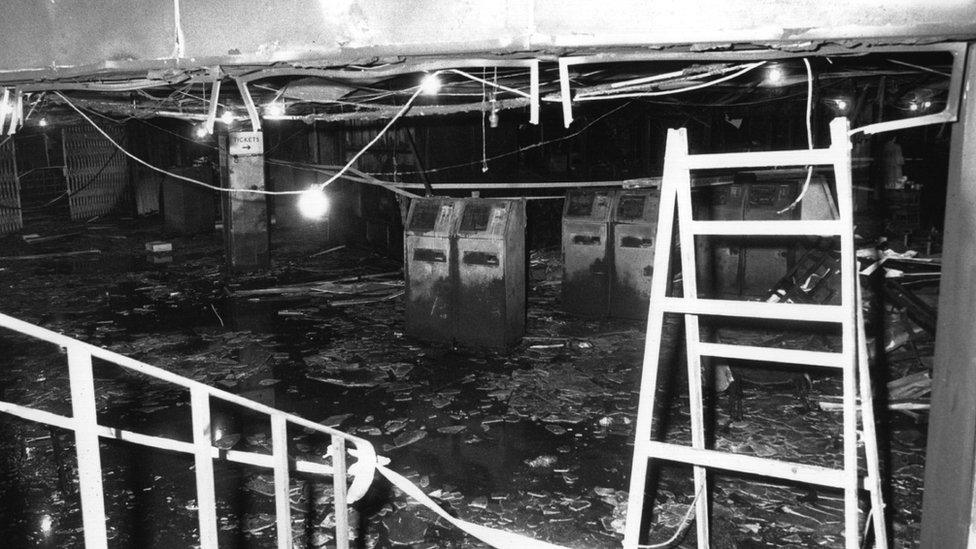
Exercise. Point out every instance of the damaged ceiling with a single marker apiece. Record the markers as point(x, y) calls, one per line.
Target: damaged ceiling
point(339, 60)
point(57, 38)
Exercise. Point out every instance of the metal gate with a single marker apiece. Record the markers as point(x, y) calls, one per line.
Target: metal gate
point(11, 219)
point(95, 170)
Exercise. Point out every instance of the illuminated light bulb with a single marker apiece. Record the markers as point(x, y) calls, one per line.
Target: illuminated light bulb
point(201, 131)
point(841, 105)
point(775, 75)
point(313, 203)
point(493, 118)
point(927, 104)
point(46, 524)
point(913, 106)
point(227, 117)
point(430, 84)
point(274, 110)
point(42, 122)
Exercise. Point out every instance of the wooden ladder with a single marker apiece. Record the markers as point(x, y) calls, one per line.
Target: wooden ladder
point(851, 360)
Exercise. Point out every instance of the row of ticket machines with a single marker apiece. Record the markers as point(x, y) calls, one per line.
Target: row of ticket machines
point(465, 257)
point(608, 251)
point(465, 271)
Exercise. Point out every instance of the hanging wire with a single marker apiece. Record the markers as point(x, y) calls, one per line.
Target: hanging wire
point(515, 151)
point(321, 185)
point(806, 184)
point(745, 69)
point(682, 526)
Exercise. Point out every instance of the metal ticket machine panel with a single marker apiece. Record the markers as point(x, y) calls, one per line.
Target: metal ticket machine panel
point(634, 228)
point(429, 258)
point(766, 260)
point(491, 272)
point(718, 256)
point(586, 252)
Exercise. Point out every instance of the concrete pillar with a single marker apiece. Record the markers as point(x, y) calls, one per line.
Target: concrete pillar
point(948, 505)
point(245, 214)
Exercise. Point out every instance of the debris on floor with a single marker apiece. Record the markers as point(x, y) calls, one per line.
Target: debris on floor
point(536, 441)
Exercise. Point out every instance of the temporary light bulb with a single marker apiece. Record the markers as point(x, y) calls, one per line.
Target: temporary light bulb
point(46, 524)
point(42, 122)
point(227, 117)
point(913, 106)
point(841, 105)
point(430, 84)
point(313, 203)
point(274, 110)
point(927, 104)
point(775, 75)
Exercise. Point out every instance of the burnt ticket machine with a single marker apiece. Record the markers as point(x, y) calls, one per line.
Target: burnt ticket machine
point(767, 260)
point(634, 226)
point(747, 266)
point(429, 260)
point(491, 272)
point(586, 257)
point(719, 260)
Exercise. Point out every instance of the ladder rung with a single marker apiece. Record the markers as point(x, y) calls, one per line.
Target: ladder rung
point(754, 309)
point(762, 159)
point(773, 354)
point(798, 472)
point(799, 227)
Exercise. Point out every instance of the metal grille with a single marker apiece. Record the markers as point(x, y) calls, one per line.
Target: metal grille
point(96, 171)
point(10, 217)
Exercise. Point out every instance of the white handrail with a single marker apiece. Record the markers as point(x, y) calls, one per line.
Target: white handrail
point(87, 432)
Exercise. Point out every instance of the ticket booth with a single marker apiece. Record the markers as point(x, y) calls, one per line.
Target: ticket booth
point(491, 272)
point(430, 264)
point(586, 252)
point(634, 226)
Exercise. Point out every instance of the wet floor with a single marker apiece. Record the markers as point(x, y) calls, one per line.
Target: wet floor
point(536, 441)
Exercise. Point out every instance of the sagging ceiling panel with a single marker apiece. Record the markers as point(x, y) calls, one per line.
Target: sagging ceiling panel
point(118, 34)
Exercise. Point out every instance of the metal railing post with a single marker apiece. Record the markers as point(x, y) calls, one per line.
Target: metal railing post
point(279, 442)
point(86, 445)
point(203, 466)
point(339, 489)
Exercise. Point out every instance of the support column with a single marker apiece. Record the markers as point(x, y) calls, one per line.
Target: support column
point(245, 214)
point(948, 505)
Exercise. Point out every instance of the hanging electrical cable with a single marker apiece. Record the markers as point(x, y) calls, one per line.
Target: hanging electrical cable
point(321, 185)
point(515, 151)
point(745, 69)
point(401, 112)
point(806, 184)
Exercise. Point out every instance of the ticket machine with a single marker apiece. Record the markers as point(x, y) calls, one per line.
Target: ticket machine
point(634, 226)
point(586, 252)
point(430, 258)
point(491, 272)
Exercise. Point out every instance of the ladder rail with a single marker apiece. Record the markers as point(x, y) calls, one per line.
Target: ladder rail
point(649, 366)
point(840, 142)
point(679, 155)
